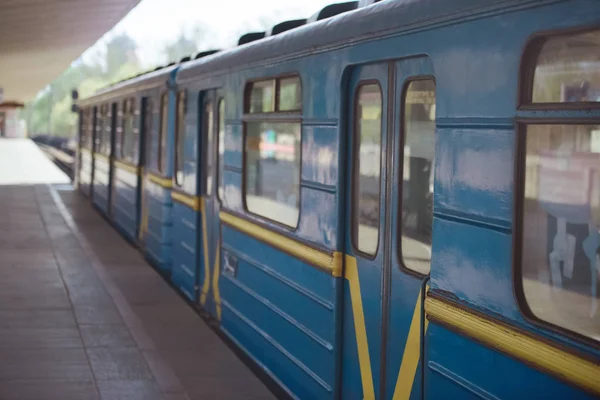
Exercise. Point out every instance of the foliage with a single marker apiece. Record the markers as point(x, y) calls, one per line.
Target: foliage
point(50, 112)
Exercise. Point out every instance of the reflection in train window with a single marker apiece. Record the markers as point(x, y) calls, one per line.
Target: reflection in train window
point(208, 132)
point(560, 262)
point(417, 175)
point(368, 116)
point(99, 128)
point(262, 96)
point(127, 138)
point(221, 146)
point(568, 69)
point(180, 138)
point(290, 94)
point(272, 170)
point(148, 125)
point(107, 130)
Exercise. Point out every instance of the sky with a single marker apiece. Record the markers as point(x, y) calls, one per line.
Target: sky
point(155, 23)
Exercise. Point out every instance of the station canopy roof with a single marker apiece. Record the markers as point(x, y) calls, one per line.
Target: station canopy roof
point(40, 38)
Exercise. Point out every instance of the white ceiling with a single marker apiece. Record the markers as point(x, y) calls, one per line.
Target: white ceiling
point(40, 38)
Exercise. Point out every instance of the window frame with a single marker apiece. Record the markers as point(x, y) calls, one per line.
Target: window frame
point(163, 127)
point(354, 220)
point(276, 117)
point(402, 265)
point(179, 121)
point(530, 113)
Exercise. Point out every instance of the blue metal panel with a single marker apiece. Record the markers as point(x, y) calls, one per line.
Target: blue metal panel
point(185, 250)
point(284, 307)
point(158, 236)
point(482, 373)
point(125, 202)
point(101, 185)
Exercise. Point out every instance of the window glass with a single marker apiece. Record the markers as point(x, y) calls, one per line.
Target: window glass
point(560, 263)
point(208, 128)
point(262, 96)
point(417, 175)
point(272, 170)
point(147, 127)
point(568, 69)
point(221, 147)
point(290, 94)
point(127, 135)
point(106, 139)
point(368, 116)
point(99, 130)
point(180, 139)
point(162, 133)
point(135, 132)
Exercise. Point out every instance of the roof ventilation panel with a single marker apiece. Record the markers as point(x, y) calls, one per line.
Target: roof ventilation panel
point(333, 9)
point(206, 53)
point(185, 59)
point(286, 26)
point(251, 37)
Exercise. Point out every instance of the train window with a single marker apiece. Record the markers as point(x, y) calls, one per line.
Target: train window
point(262, 96)
point(272, 170)
point(99, 129)
point(162, 133)
point(208, 131)
point(272, 151)
point(289, 94)
point(148, 124)
point(106, 132)
point(180, 138)
point(127, 138)
point(560, 262)
point(568, 69)
point(221, 147)
point(417, 175)
point(368, 116)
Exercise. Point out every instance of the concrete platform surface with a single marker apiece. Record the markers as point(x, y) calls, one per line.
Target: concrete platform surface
point(83, 316)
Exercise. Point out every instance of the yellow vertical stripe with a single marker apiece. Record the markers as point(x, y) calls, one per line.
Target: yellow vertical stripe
point(411, 356)
point(206, 283)
point(366, 375)
point(215, 283)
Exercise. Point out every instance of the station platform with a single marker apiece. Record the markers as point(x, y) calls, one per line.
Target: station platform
point(82, 315)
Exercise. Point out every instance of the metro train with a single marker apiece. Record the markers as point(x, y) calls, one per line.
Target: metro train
point(388, 200)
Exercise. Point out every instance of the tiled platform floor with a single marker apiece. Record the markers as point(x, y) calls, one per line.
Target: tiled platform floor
point(83, 316)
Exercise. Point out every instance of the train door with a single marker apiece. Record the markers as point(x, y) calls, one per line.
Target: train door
point(211, 123)
point(389, 213)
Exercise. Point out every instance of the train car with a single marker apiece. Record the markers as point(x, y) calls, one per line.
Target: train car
point(377, 169)
point(398, 200)
point(136, 177)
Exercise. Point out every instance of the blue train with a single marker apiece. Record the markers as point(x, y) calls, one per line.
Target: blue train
point(388, 200)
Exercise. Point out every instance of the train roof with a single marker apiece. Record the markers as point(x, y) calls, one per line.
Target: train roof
point(372, 19)
point(158, 77)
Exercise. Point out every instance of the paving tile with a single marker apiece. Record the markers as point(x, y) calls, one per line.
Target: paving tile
point(226, 387)
point(97, 314)
point(118, 364)
point(163, 373)
point(36, 319)
point(48, 390)
point(22, 301)
point(129, 390)
point(178, 314)
point(112, 335)
point(31, 338)
point(44, 363)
